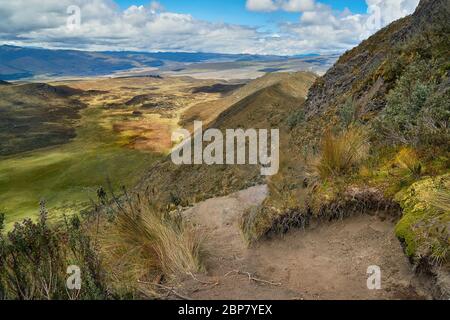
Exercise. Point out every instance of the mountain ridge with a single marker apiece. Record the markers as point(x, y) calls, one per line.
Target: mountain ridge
point(361, 73)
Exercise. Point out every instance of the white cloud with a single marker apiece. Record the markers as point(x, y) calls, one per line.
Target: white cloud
point(104, 26)
point(261, 5)
point(298, 5)
point(155, 6)
point(286, 5)
point(392, 10)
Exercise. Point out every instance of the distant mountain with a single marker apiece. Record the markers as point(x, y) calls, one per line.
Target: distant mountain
point(21, 63)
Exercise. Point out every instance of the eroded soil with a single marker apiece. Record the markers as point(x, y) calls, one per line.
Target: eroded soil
point(328, 261)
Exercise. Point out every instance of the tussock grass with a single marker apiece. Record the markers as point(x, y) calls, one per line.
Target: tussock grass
point(146, 243)
point(407, 159)
point(440, 200)
point(340, 154)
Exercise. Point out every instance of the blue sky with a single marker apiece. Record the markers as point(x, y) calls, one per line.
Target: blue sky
point(233, 11)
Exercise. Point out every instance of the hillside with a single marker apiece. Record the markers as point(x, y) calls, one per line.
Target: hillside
point(293, 84)
point(373, 130)
point(372, 133)
point(36, 116)
point(367, 72)
point(364, 180)
point(262, 103)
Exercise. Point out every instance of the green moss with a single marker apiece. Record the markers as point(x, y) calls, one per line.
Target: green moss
point(424, 226)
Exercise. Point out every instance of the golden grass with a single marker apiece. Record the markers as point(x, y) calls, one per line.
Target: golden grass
point(440, 199)
point(144, 243)
point(342, 153)
point(408, 159)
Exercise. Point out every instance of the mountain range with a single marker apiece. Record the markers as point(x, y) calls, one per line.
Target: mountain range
point(25, 63)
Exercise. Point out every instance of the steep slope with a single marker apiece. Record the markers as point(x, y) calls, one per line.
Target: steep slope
point(367, 72)
point(388, 102)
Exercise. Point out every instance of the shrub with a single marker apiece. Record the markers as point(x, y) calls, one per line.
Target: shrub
point(341, 154)
point(34, 258)
point(348, 113)
point(295, 119)
point(417, 110)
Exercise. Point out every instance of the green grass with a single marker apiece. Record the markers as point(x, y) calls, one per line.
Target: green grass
point(67, 176)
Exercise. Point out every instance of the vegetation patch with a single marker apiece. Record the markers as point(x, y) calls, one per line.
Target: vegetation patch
point(35, 256)
point(125, 249)
point(144, 245)
point(340, 154)
point(34, 116)
point(424, 227)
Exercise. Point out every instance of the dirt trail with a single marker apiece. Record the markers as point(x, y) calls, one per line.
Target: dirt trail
point(329, 261)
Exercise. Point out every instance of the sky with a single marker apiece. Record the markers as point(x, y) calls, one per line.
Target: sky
point(282, 27)
point(231, 11)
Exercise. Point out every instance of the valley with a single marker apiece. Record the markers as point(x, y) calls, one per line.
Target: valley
point(116, 129)
point(363, 181)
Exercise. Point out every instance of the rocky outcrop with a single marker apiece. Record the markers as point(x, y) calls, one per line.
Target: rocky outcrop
point(358, 74)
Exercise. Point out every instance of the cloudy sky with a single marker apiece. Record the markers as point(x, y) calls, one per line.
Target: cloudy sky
point(283, 27)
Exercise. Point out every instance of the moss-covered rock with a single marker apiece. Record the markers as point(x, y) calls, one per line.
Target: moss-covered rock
point(425, 226)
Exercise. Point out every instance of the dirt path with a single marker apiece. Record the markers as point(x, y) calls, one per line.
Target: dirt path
point(329, 261)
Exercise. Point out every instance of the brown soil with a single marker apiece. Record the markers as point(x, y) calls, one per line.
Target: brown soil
point(328, 261)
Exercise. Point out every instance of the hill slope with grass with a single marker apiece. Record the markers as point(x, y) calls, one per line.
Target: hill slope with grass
point(36, 115)
point(294, 84)
point(264, 103)
point(373, 131)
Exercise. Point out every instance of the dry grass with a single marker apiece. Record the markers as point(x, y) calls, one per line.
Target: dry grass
point(144, 243)
point(440, 198)
point(342, 153)
point(407, 159)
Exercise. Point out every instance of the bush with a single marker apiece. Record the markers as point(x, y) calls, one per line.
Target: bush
point(417, 110)
point(295, 119)
point(341, 154)
point(348, 114)
point(34, 258)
